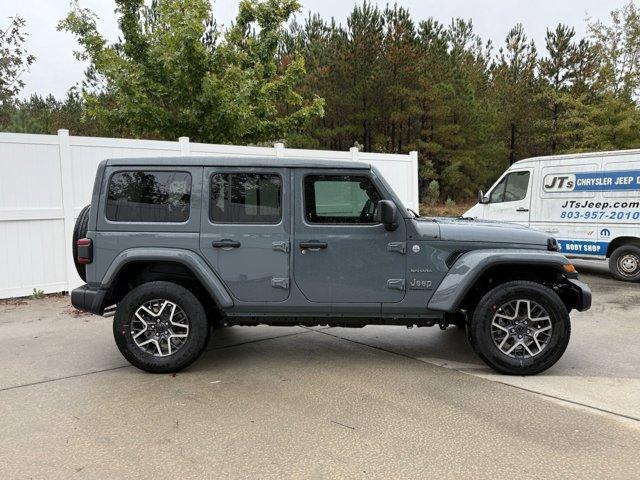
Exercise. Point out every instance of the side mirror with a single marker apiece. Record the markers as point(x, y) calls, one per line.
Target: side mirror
point(387, 214)
point(482, 198)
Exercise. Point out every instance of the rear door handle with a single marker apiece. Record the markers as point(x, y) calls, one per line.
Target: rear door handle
point(522, 209)
point(226, 243)
point(313, 245)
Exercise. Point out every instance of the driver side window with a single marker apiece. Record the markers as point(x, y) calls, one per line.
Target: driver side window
point(512, 187)
point(340, 199)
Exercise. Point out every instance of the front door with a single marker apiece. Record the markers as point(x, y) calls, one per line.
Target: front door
point(245, 230)
point(341, 254)
point(510, 198)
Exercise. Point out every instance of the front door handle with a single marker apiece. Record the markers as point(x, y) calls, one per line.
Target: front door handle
point(226, 243)
point(522, 209)
point(313, 246)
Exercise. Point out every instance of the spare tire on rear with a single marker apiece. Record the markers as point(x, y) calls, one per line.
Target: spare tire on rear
point(80, 231)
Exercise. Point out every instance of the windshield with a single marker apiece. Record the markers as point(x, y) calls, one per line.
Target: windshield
point(388, 188)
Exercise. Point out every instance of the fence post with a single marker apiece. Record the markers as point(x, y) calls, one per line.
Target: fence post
point(66, 177)
point(185, 147)
point(416, 180)
point(354, 153)
point(279, 149)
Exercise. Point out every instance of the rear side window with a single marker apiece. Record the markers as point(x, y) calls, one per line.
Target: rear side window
point(340, 199)
point(245, 198)
point(512, 187)
point(148, 196)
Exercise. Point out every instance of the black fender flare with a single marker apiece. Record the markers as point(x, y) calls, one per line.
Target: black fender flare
point(470, 266)
point(189, 259)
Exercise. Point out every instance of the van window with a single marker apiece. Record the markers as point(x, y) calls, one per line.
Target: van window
point(148, 196)
point(245, 198)
point(511, 188)
point(340, 199)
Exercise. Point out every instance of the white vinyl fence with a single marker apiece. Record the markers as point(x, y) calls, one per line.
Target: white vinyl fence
point(45, 180)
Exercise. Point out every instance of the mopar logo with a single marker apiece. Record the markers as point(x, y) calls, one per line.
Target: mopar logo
point(605, 232)
point(559, 183)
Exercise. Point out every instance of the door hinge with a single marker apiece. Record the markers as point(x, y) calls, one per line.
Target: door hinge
point(396, 284)
point(281, 246)
point(400, 247)
point(280, 283)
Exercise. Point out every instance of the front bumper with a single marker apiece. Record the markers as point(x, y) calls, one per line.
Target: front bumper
point(89, 299)
point(582, 294)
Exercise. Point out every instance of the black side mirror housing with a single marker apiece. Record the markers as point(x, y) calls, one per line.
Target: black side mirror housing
point(387, 214)
point(481, 197)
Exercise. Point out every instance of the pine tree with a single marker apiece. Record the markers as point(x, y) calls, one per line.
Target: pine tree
point(400, 61)
point(557, 74)
point(516, 88)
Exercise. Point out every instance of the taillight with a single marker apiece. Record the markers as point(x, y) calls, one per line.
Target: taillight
point(85, 251)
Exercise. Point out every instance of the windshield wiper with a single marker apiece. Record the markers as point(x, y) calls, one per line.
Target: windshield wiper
point(414, 213)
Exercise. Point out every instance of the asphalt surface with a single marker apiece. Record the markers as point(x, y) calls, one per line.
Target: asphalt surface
point(271, 402)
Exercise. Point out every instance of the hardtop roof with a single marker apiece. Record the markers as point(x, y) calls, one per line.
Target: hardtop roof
point(237, 161)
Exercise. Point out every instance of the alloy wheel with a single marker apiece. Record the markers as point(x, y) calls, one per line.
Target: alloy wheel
point(159, 327)
point(521, 328)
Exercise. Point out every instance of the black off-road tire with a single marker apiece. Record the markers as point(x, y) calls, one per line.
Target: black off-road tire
point(630, 253)
point(480, 328)
point(197, 339)
point(80, 231)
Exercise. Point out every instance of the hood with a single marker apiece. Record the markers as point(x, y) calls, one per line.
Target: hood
point(468, 230)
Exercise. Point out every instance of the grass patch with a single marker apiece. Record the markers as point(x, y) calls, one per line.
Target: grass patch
point(448, 209)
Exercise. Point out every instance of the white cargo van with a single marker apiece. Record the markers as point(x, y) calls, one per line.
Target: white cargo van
point(590, 202)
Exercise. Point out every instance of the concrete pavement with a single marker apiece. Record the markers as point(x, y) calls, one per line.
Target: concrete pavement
point(318, 403)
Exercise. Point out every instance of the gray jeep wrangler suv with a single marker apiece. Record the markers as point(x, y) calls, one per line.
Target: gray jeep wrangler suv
point(183, 245)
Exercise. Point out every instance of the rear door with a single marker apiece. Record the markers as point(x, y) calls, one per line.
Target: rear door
point(245, 231)
point(341, 254)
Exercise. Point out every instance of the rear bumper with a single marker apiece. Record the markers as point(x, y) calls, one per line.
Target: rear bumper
point(582, 293)
point(89, 299)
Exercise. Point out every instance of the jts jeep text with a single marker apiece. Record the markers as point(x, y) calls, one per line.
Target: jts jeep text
point(182, 246)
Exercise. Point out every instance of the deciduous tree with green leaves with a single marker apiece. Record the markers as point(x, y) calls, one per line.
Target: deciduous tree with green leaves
point(173, 73)
point(14, 61)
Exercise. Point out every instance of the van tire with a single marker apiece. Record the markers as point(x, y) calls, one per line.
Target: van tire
point(196, 318)
point(624, 263)
point(80, 231)
point(480, 328)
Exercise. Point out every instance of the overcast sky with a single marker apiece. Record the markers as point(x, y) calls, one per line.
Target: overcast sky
point(55, 68)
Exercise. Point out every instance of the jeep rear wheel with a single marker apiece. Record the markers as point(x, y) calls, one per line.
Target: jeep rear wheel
point(520, 328)
point(160, 327)
point(624, 263)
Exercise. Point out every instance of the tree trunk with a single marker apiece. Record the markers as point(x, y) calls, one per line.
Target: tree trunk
point(512, 145)
point(554, 143)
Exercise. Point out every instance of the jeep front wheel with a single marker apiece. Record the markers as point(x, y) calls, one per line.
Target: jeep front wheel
point(520, 328)
point(624, 263)
point(160, 327)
